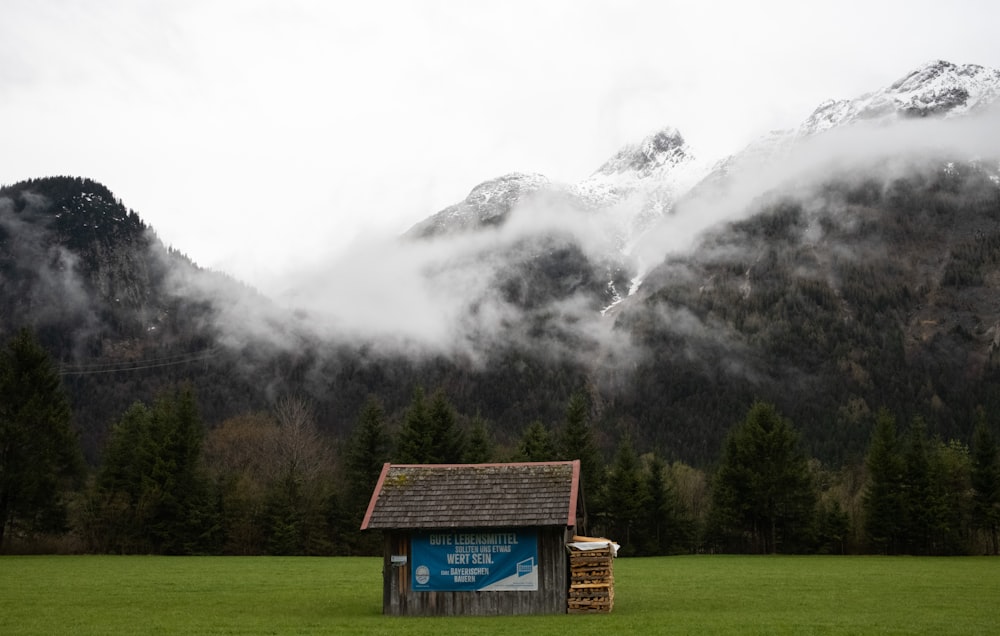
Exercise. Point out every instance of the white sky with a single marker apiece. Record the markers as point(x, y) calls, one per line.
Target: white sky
point(260, 136)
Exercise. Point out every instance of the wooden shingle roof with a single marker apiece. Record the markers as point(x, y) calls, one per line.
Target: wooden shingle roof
point(417, 496)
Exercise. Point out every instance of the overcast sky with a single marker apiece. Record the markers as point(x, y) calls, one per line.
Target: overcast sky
point(259, 136)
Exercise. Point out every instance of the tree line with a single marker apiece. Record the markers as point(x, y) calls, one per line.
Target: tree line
point(271, 482)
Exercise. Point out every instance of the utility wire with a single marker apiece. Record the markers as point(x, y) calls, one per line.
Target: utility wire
point(139, 365)
point(155, 359)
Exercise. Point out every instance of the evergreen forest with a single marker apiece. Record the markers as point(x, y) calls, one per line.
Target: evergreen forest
point(272, 483)
point(819, 376)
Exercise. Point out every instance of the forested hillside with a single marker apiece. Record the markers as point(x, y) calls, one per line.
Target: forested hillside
point(815, 318)
point(858, 294)
point(867, 299)
point(106, 299)
point(861, 293)
point(867, 294)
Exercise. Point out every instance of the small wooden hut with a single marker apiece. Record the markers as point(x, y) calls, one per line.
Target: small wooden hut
point(475, 539)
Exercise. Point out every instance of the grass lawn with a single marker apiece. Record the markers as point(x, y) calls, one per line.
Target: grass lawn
point(110, 595)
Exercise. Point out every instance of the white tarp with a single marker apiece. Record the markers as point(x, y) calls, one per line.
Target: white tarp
point(588, 543)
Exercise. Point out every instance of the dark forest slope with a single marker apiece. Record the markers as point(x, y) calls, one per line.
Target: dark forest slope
point(860, 293)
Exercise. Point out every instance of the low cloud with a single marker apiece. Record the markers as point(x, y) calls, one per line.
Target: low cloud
point(799, 166)
point(47, 287)
point(440, 296)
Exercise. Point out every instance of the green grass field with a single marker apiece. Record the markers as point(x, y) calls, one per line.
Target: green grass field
point(109, 595)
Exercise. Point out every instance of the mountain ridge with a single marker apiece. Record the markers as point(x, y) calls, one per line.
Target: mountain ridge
point(642, 182)
point(938, 88)
point(869, 284)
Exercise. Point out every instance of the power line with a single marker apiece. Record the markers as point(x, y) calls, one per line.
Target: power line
point(155, 359)
point(139, 365)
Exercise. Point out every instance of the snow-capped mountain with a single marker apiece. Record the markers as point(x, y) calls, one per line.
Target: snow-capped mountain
point(634, 195)
point(632, 189)
point(857, 287)
point(488, 204)
point(610, 209)
point(937, 88)
point(641, 183)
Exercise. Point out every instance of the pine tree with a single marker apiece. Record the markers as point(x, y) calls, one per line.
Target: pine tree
point(919, 513)
point(183, 521)
point(536, 444)
point(152, 492)
point(832, 528)
point(628, 499)
point(367, 451)
point(763, 484)
point(669, 530)
point(430, 433)
point(447, 437)
point(480, 448)
point(577, 442)
point(951, 475)
point(119, 504)
point(284, 514)
point(883, 502)
point(39, 452)
point(986, 484)
point(416, 440)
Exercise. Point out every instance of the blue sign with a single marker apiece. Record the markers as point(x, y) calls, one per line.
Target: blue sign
point(469, 560)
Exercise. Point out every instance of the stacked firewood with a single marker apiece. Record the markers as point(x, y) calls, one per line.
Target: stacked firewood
point(592, 577)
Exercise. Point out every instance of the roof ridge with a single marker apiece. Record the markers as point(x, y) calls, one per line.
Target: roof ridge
point(424, 496)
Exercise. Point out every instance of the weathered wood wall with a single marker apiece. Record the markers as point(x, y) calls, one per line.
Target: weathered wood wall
point(398, 599)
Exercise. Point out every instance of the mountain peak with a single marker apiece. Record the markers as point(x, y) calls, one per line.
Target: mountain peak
point(936, 72)
point(665, 147)
point(943, 87)
point(938, 87)
point(508, 186)
point(487, 204)
point(925, 73)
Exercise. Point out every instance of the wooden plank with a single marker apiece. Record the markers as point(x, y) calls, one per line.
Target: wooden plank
point(591, 589)
point(550, 598)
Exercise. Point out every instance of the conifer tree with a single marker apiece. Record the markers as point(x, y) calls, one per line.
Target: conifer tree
point(415, 445)
point(832, 528)
point(367, 451)
point(669, 529)
point(480, 447)
point(919, 513)
point(430, 433)
point(951, 478)
point(536, 444)
point(577, 442)
point(117, 522)
point(152, 492)
point(763, 488)
point(39, 452)
point(883, 503)
point(183, 517)
point(986, 484)
point(447, 437)
point(629, 499)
